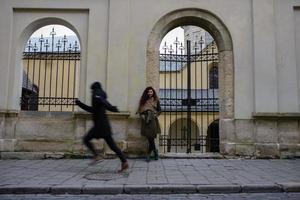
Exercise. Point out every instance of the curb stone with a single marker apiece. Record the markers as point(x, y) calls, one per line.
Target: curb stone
point(110, 189)
point(204, 189)
point(259, 188)
point(152, 189)
point(136, 189)
point(290, 187)
point(24, 190)
point(66, 190)
point(172, 189)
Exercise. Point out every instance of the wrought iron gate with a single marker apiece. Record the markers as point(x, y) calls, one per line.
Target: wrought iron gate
point(189, 98)
point(50, 71)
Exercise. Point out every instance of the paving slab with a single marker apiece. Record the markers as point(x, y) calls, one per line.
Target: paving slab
point(165, 176)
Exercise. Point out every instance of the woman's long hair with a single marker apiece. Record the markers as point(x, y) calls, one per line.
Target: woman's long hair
point(144, 96)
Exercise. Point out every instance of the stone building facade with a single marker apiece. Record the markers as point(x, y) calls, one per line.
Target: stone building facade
point(259, 70)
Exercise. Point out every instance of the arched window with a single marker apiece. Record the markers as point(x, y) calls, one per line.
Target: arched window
point(51, 61)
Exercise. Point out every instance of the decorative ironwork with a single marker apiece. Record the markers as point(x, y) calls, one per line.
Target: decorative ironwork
point(51, 56)
point(189, 97)
point(46, 101)
point(50, 70)
point(197, 105)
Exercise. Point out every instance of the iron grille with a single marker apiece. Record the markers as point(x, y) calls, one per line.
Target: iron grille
point(50, 73)
point(189, 98)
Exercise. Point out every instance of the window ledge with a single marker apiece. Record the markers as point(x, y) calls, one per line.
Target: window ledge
point(59, 114)
point(113, 115)
point(276, 115)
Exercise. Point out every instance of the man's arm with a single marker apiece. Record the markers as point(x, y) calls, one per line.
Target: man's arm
point(84, 106)
point(106, 104)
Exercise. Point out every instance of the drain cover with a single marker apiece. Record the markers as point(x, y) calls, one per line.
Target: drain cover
point(105, 176)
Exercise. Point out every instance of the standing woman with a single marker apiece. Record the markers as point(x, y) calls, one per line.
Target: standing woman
point(149, 109)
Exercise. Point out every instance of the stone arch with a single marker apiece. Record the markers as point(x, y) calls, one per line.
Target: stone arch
point(32, 27)
point(23, 37)
point(214, 25)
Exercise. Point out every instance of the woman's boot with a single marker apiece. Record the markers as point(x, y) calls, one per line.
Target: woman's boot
point(148, 158)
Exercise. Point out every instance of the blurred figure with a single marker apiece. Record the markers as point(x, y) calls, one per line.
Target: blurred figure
point(101, 128)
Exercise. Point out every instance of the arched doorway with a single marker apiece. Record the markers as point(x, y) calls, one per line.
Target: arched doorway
point(188, 88)
point(212, 137)
point(219, 32)
point(178, 136)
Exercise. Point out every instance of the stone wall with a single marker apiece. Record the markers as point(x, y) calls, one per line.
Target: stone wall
point(51, 134)
point(261, 137)
point(46, 134)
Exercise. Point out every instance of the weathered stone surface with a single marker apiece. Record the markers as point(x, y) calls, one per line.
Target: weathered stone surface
point(63, 133)
point(227, 130)
point(226, 86)
point(10, 127)
point(39, 128)
point(43, 145)
point(138, 147)
point(2, 124)
point(288, 131)
point(244, 131)
point(7, 144)
point(78, 146)
point(288, 150)
point(119, 128)
point(152, 75)
point(228, 148)
point(134, 128)
point(289, 147)
point(123, 145)
point(266, 131)
point(23, 155)
point(245, 149)
point(79, 129)
point(264, 150)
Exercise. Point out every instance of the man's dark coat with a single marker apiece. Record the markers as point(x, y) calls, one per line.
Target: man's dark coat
point(98, 110)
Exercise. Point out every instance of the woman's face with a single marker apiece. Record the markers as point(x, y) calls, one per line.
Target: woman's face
point(150, 93)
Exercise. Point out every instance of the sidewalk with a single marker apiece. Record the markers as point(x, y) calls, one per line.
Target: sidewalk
point(157, 177)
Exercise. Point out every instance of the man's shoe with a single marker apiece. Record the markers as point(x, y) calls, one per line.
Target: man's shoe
point(155, 154)
point(124, 167)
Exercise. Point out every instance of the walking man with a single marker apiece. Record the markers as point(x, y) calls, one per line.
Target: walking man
point(101, 128)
